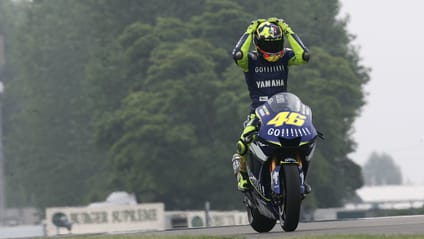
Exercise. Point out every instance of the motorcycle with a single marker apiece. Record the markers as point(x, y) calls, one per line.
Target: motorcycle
point(277, 162)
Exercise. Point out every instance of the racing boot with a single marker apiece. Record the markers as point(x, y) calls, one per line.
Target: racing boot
point(239, 167)
point(308, 187)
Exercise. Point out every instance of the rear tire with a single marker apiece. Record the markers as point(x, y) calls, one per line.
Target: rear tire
point(259, 222)
point(290, 210)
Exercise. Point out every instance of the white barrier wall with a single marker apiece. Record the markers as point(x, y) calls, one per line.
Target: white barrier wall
point(193, 219)
point(220, 218)
point(141, 217)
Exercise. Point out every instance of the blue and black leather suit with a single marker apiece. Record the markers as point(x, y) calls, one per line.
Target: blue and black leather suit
point(264, 78)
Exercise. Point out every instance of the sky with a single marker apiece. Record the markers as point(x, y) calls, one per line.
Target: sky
point(390, 37)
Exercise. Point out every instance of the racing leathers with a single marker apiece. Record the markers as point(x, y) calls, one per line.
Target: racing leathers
point(263, 79)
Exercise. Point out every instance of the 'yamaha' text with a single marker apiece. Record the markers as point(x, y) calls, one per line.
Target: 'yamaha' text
point(270, 83)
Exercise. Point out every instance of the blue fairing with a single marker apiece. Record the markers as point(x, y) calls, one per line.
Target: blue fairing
point(284, 116)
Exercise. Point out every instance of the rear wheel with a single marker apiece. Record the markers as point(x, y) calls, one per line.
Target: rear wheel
point(290, 209)
point(259, 222)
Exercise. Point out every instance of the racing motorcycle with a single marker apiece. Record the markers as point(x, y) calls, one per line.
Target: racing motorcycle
point(277, 162)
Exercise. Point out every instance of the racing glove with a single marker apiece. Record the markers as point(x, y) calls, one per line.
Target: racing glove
point(254, 25)
point(282, 24)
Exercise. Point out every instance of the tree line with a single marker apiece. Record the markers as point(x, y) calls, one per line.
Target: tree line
point(144, 97)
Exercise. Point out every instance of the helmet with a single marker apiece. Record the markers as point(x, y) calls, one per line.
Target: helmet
point(269, 41)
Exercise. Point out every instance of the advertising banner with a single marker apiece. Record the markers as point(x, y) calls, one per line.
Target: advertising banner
point(82, 220)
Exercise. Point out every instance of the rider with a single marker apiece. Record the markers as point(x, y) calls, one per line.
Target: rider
point(266, 73)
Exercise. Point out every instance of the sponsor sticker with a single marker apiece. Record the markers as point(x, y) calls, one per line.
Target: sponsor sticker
point(263, 98)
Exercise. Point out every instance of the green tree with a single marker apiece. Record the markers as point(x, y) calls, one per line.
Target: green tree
point(173, 106)
point(51, 143)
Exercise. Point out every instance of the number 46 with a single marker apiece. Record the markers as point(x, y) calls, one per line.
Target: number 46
point(290, 118)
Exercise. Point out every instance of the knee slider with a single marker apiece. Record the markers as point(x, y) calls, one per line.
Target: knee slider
point(241, 148)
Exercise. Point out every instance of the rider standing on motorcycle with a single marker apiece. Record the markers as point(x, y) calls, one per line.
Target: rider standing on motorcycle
point(266, 73)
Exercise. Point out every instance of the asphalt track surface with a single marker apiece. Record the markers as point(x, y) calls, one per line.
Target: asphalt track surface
point(404, 225)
